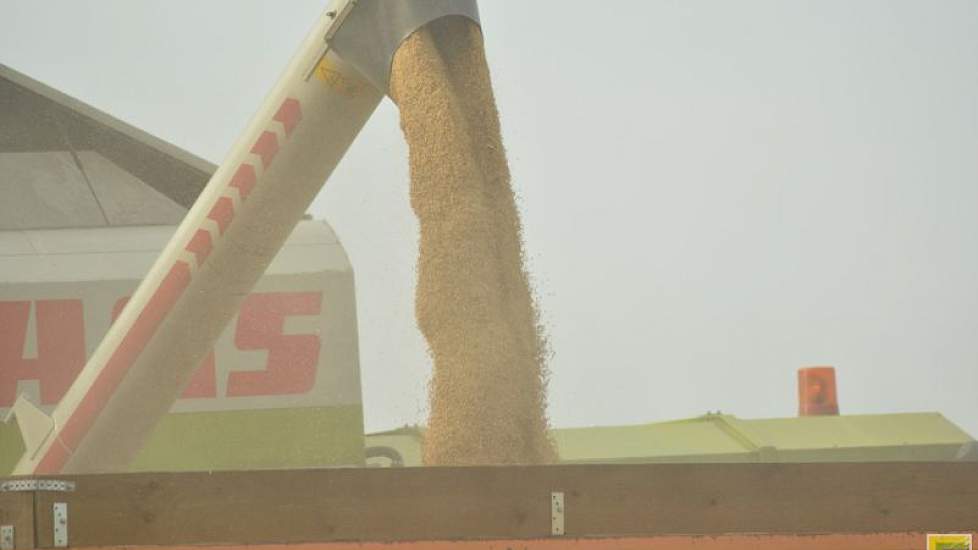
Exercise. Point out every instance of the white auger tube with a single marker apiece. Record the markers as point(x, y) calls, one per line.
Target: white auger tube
point(219, 251)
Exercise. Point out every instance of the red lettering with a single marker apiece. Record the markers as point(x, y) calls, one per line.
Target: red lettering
point(290, 367)
point(203, 383)
point(60, 330)
point(292, 358)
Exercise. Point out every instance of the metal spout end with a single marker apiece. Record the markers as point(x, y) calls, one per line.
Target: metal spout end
point(373, 30)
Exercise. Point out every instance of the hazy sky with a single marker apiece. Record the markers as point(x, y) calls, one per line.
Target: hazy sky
point(715, 193)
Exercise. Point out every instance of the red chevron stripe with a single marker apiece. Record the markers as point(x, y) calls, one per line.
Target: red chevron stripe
point(200, 245)
point(266, 147)
point(289, 114)
point(222, 213)
point(244, 179)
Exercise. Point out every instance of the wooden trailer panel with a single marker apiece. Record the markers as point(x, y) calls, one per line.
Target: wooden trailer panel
point(709, 506)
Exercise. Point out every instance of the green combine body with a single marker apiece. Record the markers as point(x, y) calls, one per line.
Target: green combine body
point(726, 438)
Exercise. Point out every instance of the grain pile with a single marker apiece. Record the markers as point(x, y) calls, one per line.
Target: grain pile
point(473, 302)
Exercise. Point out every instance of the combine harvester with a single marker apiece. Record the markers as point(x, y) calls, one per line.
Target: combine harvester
point(68, 489)
point(86, 205)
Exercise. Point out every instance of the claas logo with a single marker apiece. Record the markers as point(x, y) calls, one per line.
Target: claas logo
point(59, 355)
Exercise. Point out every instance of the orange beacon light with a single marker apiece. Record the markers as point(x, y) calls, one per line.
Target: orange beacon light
point(816, 392)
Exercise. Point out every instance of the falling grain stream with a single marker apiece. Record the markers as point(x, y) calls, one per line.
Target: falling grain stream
point(474, 303)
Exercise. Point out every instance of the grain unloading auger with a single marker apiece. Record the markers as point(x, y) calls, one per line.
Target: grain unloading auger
point(237, 225)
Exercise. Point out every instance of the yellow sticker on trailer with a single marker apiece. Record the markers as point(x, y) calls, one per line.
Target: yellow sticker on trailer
point(949, 542)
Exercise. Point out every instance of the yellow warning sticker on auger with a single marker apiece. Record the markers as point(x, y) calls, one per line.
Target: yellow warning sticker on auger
point(337, 80)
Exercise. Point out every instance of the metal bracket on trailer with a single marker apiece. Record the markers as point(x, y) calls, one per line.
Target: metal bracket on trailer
point(23, 485)
point(557, 513)
point(6, 537)
point(60, 523)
